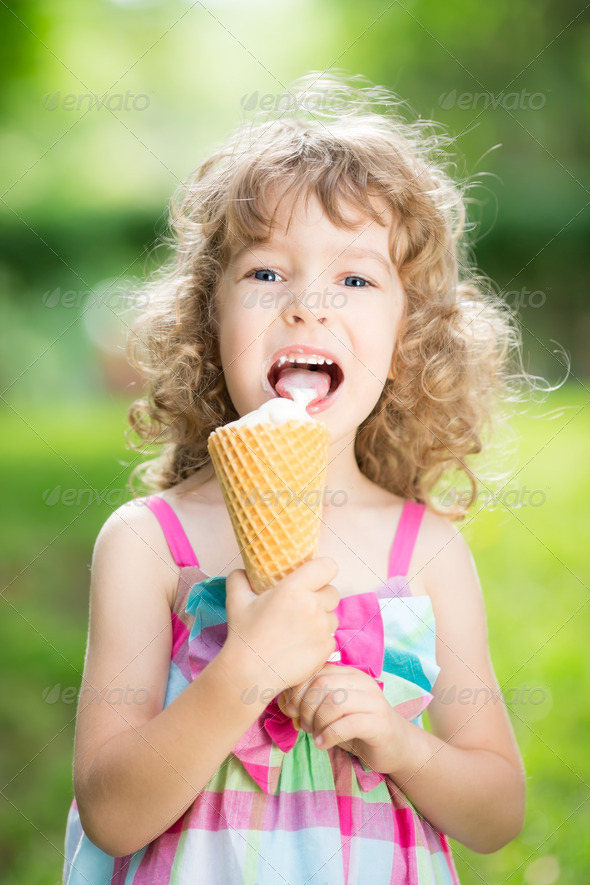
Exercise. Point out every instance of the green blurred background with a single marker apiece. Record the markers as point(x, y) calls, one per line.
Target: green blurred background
point(84, 192)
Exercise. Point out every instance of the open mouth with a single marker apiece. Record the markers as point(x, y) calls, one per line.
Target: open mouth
point(310, 371)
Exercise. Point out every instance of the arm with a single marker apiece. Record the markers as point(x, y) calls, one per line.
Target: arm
point(138, 767)
point(467, 776)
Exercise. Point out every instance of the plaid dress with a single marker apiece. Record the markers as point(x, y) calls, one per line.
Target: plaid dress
point(279, 810)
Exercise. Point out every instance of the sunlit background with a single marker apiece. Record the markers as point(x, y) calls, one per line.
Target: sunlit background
point(105, 108)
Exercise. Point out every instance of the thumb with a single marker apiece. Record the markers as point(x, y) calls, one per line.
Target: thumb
point(237, 587)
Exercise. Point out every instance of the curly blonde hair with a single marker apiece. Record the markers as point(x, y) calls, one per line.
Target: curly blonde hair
point(451, 359)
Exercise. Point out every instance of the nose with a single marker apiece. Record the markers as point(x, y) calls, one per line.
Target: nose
point(306, 307)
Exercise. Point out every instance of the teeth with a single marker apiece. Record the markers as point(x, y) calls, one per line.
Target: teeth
point(312, 360)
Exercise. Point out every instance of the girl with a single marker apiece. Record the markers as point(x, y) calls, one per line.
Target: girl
point(337, 238)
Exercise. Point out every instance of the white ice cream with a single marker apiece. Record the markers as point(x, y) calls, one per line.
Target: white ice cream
point(278, 410)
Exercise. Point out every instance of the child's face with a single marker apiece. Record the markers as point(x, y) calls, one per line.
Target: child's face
point(305, 288)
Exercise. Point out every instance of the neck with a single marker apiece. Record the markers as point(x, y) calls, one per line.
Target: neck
point(346, 484)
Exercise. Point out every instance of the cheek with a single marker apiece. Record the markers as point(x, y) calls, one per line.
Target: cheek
point(376, 340)
point(235, 334)
point(239, 344)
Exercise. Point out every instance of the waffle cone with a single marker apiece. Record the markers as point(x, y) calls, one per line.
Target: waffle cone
point(273, 479)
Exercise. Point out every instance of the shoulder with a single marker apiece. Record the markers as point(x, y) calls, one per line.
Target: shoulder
point(133, 537)
point(441, 536)
point(452, 583)
point(445, 559)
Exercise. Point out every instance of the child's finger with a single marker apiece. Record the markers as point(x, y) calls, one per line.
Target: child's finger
point(285, 701)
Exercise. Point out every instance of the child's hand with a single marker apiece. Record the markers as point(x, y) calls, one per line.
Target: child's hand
point(282, 635)
point(348, 709)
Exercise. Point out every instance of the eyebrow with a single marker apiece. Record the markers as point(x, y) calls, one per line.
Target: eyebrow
point(368, 253)
point(241, 252)
point(355, 251)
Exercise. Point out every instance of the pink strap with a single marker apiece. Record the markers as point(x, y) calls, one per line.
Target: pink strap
point(405, 538)
point(179, 544)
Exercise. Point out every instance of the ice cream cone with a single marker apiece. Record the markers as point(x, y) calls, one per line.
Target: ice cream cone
point(273, 478)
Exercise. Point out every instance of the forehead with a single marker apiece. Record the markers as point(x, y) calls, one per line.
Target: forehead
point(287, 214)
point(305, 206)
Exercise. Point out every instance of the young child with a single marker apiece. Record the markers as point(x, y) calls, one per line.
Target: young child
point(338, 237)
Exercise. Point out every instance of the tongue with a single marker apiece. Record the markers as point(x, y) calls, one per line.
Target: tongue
point(310, 379)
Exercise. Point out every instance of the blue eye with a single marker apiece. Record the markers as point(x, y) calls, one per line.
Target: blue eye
point(263, 270)
point(361, 279)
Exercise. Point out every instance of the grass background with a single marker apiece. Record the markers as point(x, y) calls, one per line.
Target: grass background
point(64, 474)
